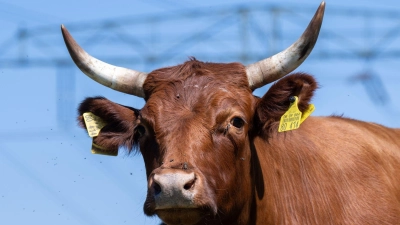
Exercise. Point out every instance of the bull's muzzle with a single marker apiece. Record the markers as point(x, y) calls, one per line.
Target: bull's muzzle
point(173, 194)
point(173, 189)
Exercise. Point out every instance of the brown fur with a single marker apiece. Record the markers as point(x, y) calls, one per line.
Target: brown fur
point(119, 131)
point(276, 101)
point(331, 170)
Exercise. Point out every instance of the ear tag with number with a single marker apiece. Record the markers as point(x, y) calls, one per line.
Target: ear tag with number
point(93, 124)
point(291, 119)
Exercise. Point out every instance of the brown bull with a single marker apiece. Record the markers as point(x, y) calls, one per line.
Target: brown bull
point(213, 153)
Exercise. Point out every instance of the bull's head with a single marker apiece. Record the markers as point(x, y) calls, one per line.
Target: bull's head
point(196, 129)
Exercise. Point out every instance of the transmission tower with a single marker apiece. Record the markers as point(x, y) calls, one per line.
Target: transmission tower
point(244, 33)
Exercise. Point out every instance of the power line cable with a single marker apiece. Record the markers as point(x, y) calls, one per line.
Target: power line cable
point(18, 14)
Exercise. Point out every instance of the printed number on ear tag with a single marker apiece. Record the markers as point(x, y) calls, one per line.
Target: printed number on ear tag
point(291, 119)
point(93, 124)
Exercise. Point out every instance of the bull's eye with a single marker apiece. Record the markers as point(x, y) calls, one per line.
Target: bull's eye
point(140, 130)
point(237, 122)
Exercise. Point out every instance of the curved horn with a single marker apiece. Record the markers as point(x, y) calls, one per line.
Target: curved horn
point(118, 78)
point(271, 69)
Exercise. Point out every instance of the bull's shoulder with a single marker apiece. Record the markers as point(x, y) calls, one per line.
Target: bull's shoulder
point(348, 136)
point(352, 130)
point(338, 143)
point(347, 165)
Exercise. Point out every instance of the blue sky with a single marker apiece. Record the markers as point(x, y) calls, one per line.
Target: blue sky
point(49, 176)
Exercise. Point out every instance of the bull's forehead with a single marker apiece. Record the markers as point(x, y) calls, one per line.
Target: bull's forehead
point(197, 73)
point(194, 94)
point(196, 88)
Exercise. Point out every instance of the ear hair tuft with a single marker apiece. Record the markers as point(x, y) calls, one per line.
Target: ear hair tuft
point(277, 100)
point(120, 120)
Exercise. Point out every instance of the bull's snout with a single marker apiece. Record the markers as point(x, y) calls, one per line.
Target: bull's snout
point(179, 196)
point(173, 189)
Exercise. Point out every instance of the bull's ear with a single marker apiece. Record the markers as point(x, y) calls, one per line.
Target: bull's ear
point(276, 101)
point(120, 122)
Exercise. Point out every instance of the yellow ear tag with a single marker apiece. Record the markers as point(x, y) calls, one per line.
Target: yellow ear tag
point(97, 149)
point(307, 113)
point(93, 124)
point(291, 119)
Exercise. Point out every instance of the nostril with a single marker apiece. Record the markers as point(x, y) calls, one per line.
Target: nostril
point(189, 184)
point(157, 188)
